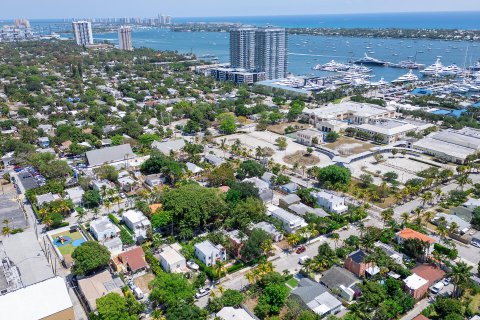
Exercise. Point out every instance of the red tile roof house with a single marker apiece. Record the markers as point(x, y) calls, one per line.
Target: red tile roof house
point(421, 317)
point(131, 261)
point(355, 263)
point(408, 233)
point(424, 276)
point(430, 272)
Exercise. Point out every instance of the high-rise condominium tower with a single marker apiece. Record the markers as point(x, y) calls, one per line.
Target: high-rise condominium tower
point(83, 32)
point(242, 48)
point(125, 38)
point(271, 46)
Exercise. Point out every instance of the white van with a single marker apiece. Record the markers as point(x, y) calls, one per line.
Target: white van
point(138, 293)
point(437, 287)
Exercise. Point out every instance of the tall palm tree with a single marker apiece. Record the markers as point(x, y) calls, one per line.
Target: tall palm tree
point(387, 215)
point(405, 217)
point(219, 269)
point(336, 238)
point(460, 274)
point(463, 180)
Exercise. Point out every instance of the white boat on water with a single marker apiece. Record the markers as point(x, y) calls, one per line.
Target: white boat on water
point(452, 70)
point(380, 83)
point(434, 69)
point(409, 77)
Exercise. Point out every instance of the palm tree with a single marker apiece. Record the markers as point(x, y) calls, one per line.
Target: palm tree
point(426, 198)
point(438, 193)
point(107, 205)
point(453, 227)
point(267, 247)
point(460, 274)
point(428, 215)
point(463, 180)
point(293, 239)
point(219, 269)
point(387, 215)
point(336, 238)
point(405, 217)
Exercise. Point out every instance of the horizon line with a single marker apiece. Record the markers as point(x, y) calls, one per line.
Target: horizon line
point(273, 15)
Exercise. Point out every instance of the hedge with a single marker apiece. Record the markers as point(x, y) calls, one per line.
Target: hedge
point(450, 253)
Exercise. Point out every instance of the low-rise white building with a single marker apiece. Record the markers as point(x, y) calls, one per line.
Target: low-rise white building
point(290, 222)
point(138, 223)
point(103, 229)
point(171, 259)
point(330, 201)
point(209, 253)
point(308, 137)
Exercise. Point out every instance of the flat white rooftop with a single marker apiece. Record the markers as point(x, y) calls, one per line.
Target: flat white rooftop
point(36, 301)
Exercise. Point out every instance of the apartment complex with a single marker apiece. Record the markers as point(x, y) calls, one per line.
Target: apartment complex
point(271, 52)
point(239, 76)
point(125, 38)
point(260, 50)
point(242, 48)
point(83, 32)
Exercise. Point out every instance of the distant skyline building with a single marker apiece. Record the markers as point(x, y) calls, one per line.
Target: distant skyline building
point(271, 46)
point(125, 38)
point(83, 32)
point(242, 48)
point(260, 50)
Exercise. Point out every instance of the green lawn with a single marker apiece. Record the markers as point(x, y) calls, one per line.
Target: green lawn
point(293, 283)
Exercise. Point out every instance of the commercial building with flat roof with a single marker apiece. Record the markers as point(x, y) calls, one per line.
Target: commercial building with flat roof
point(111, 155)
point(239, 76)
point(353, 112)
point(450, 145)
point(390, 130)
point(46, 300)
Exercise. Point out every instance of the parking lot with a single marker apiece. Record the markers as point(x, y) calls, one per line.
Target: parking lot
point(404, 167)
point(266, 139)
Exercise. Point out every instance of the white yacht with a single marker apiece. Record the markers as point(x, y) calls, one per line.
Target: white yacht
point(433, 70)
point(452, 70)
point(409, 77)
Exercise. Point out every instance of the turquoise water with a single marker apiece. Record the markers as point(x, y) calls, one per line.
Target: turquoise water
point(433, 20)
point(307, 51)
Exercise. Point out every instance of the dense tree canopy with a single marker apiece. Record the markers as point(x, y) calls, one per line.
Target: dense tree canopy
point(113, 307)
point(334, 176)
point(89, 257)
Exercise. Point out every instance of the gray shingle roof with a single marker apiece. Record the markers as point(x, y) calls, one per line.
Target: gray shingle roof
point(337, 276)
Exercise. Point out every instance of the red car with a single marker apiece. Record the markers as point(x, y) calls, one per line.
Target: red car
point(301, 249)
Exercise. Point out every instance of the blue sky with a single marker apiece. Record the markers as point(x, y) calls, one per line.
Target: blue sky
point(202, 8)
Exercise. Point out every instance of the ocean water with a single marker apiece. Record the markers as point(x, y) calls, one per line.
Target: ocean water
point(434, 20)
point(306, 51)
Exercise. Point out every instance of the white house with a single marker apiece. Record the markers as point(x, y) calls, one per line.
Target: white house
point(230, 313)
point(330, 202)
point(103, 229)
point(75, 194)
point(171, 259)
point(137, 222)
point(209, 254)
point(291, 222)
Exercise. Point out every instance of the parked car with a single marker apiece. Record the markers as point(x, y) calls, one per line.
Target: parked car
point(437, 287)
point(446, 281)
point(192, 265)
point(476, 244)
point(301, 249)
point(302, 260)
point(202, 293)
